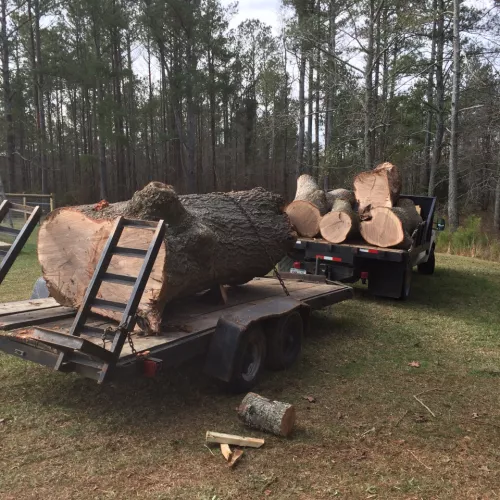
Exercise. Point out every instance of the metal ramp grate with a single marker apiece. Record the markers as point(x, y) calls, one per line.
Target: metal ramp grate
point(10, 251)
point(75, 350)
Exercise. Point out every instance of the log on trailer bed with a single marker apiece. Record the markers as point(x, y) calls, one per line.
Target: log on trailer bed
point(208, 242)
point(341, 223)
point(309, 205)
point(379, 187)
point(390, 227)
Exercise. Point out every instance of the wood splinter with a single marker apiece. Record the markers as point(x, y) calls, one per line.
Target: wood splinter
point(226, 451)
point(220, 438)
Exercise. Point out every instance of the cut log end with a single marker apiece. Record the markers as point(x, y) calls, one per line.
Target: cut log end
point(335, 227)
point(305, 217)
point(384, 229)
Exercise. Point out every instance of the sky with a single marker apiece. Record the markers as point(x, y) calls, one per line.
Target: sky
point(267, 11)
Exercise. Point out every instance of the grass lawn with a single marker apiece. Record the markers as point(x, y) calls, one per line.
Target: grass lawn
point(366, 436)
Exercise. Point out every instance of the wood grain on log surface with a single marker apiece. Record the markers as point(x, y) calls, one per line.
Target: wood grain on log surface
point(379, 187)
point(209, 242)
point(271, 416)
point(341, 223)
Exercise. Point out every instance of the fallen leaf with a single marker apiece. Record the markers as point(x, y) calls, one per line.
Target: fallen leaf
point(485, 468)
point(420, 419)
point(101, 205)
point(311, 399)
point(414, 364)
point(267, 492)
point(475, 415)
point(2, 420)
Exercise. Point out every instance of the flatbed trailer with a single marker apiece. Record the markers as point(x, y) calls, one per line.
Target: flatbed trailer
point(388, 271)
point(233, 334)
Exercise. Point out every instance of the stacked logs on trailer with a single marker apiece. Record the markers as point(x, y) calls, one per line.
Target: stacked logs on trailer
point(374, 211)
point(210, 241)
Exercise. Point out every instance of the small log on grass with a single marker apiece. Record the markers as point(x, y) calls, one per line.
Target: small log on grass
point(271, 416)
point(309, 205)
point(341, 223)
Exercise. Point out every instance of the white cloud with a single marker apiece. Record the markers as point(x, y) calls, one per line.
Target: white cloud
point(267, 11)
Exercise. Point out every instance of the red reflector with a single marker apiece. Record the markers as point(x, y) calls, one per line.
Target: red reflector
point(372, 251)
point(336, 259)
point(152, 367)
point(296, 265)
point(320, 257)
point(364, 275)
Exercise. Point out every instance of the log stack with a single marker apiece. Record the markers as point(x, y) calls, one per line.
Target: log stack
point(209, 242)
point(373, 210)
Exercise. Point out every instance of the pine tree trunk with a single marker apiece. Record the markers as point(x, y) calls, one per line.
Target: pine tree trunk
point(453, 165)
point(440, 91)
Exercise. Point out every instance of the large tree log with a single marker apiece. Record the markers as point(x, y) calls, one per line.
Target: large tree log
point(266, 415)
point(390, 227)
point(341, 223)
point(379, 187)
point(208, 242)
point(309, 205)
point(340, 194)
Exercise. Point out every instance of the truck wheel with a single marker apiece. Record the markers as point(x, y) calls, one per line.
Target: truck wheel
point(429, 266)
point(284, 340)
point(406, 288)
point(249, 360)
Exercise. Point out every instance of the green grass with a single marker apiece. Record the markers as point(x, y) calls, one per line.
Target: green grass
point(366, 436)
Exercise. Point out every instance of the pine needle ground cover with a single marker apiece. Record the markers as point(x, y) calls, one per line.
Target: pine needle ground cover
point(404, 405)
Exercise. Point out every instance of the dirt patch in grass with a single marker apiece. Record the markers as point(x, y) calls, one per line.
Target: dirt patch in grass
point(366, 436)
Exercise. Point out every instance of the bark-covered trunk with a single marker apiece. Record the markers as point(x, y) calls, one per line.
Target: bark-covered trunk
point(453, 165)
point(425, 168)
point(264, 414)
point(7, 101)
point(209, 242)
point(438, 139)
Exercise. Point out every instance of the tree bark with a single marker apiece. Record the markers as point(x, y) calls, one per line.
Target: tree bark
point(438, 139)
point(455, 96)
point(271, 416)
point(425, 168)
point(209, 242)
point(7, 102)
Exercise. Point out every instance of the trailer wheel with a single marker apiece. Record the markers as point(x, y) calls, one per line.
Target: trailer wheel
point(249, 360)
point(406, 288)
point(429, 266)
point(284, 340)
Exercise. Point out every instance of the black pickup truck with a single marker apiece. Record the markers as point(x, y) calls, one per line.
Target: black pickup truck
point(387, 271)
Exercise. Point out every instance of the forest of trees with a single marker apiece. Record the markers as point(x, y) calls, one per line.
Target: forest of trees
point(101, 96)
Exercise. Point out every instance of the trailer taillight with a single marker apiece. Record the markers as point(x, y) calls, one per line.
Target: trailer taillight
point(151, 367)
point(297, 265)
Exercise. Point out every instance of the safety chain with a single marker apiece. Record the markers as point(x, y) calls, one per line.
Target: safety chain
point(112, 331)
point(252, 225)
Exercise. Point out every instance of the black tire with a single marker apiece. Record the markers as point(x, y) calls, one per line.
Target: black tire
point(429, 266)
point(406, 288)
point(284, 340)
point(249, 361)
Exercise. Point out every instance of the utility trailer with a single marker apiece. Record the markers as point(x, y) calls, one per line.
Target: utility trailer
point(233, 336)
point(388, 271)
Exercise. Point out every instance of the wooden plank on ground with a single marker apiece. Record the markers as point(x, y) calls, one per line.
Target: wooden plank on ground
point(27, 306)
point(218, 437)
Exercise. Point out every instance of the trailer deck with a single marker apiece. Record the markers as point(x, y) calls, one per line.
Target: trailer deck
point(186, 329)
